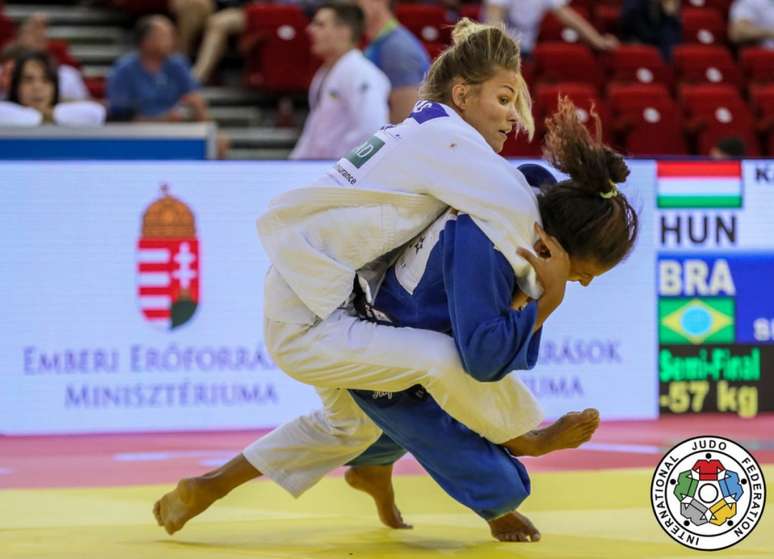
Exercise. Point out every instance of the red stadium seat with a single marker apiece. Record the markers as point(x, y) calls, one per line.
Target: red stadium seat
point(97, 86)
point(757, 64)
point(564, 62)
point(762, 98)
point(7, 30)
point(638, 63)
point(704, 26)
point(722, 6)
point(607, 18)
point(520, 146)
point(716, 112)
point(582, 4)
point(702, 94)
point(705, 64)
point(647, 119)
point(632, 96)
point(278, 57)
point(472, 11)
point(582, 95)
point(551, 29)
point(426, 21)
point(60, 52)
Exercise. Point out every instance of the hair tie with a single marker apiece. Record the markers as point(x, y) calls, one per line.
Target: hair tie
point(612, 193)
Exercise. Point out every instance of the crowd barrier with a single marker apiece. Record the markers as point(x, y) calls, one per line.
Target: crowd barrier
point(118, 142)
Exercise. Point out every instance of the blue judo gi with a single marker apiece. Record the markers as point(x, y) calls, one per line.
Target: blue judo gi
point(465, 290)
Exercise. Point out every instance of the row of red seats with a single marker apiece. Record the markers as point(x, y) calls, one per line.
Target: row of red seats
point(554, 61)
point(644, 119)
point(706, 26)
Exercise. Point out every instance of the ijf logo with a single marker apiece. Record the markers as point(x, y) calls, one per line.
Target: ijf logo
point(168, 263)
point(708, 493)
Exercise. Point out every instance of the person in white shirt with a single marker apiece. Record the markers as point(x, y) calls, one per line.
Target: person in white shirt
point(752, 21)
point(348, 97)
point(33, 97)
point(523, 18)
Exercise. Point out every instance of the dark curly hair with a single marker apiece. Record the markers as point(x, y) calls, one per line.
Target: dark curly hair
point(587, 224)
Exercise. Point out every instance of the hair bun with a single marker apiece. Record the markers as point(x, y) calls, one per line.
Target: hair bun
point(464, 28)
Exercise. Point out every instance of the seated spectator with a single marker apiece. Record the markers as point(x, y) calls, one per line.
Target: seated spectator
point(33, 97)
point(152, 84)
point(33, 36)
point(219, 19)
point(653, 22)
point(523, 18)
point(190, 17)
point(752, 22)
point(348, 95)
point(397, 53)
point(728, 148)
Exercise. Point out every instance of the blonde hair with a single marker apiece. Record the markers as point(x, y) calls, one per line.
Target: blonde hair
point(477, 52)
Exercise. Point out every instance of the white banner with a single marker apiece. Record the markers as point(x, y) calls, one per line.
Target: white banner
point(133, 298)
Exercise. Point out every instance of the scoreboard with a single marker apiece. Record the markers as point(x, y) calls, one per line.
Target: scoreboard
point(715, 282)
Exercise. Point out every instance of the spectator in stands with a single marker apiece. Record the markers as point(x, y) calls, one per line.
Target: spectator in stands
point(33, 36)
point(191, 18)
point(33, 97)
point(653, 22)
point(397, 53)
point(152, 83)
point(523, 18)
point(348, 96)
point(219, 19)
point(752, 21)
point(728, 148)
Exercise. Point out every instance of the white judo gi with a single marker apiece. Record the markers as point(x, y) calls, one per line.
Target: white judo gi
point(319, 239)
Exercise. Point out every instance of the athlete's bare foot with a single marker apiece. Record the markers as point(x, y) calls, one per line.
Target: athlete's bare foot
point(514, 527)
point(569, 431)
point(377, 482)
point(191, 497)
point(194, 495)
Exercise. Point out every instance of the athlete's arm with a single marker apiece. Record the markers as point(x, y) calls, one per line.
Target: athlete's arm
point(491, 337)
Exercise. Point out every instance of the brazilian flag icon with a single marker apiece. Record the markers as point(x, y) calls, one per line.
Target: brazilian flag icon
point(696, 321)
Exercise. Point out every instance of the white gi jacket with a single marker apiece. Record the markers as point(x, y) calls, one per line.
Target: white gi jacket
point(388, 190)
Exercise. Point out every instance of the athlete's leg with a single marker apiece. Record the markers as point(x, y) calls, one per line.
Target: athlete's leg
point(480, 475)
point(344, 351)
point(295, 455)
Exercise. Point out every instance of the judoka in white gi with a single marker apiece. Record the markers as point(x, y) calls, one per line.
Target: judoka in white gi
point(320, 239)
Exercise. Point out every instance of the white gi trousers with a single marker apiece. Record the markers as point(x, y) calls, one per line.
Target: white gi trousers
point(344, 352)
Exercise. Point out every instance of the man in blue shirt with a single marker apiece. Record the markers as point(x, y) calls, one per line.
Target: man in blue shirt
point(152, 84)
point(397, 53)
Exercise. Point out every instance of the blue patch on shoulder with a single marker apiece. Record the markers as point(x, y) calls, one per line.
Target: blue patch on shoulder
point(427, 110)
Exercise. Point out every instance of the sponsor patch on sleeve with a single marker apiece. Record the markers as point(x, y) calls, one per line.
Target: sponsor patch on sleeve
point(365, 151)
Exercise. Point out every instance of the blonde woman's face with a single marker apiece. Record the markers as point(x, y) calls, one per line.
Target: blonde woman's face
point(491, 106)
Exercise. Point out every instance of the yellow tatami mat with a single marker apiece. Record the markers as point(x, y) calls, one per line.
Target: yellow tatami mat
point(594, 515)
